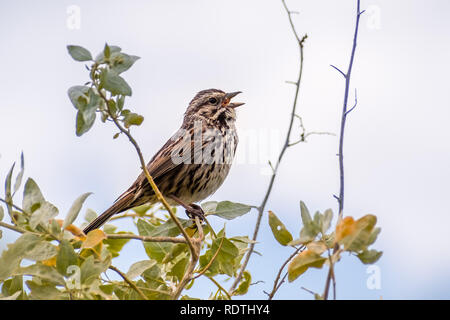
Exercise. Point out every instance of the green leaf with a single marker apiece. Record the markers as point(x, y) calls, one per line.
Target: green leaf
point(106, 51)
point(66, 257)
point(2, 213)
point(43, 215)
point(158, 250)
point(100, 58)
point(13, 255)
point(13, 285)
point(310, 228)
point(32, 196)
point(120, 101)
point(281, 234)
point(244, 284)
point(302, 262)
point(114, 246)
point(121, 62)
point(79, 53)
point(75, 209)
point(87, 113)
point(78, 95)
point(373, 236)
point(8, 193)
point(369, 256)
point(133, 119)
point(227, 209)
point(44, 291)
point(114, 83)
point(90, 215)
point(19, 175)
point(176, 250)
point(139, 267)
point(43, 272)
point(326, 220)
point(154, 250)
point(224, 263)
point(179, 268)
point(91, 270)
point(209, 207)
point(43, 250)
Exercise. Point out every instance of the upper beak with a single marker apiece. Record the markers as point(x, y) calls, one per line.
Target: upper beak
point(228, 97)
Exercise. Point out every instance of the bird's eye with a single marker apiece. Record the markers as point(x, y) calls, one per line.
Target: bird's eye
point(213, 101)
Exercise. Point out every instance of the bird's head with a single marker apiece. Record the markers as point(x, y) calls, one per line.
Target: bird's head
point(212, 105)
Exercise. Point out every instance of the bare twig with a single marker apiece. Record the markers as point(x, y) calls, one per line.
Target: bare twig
point(277, 283)
point(130, 283)
point(300, 42)
point(345, 112)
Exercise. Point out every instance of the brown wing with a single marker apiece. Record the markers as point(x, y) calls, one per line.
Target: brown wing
point(175, 152)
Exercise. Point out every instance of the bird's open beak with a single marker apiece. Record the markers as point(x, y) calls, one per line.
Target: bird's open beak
point(228, 96)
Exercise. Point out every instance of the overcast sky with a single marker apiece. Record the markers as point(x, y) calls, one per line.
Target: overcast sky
point(397, 150)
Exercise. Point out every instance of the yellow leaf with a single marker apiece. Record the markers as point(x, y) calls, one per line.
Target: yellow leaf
point(93, 238)
point(77, 232)
point(50, 262)
point(303, 261)
point(345, 227)
point(355, 235)
point(317, 246)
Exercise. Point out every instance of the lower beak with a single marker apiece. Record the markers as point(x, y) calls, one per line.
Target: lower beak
point(228, 97)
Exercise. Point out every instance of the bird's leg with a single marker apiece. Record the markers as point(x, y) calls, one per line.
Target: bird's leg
point(192, 210)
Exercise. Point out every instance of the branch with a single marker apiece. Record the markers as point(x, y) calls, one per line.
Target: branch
point(12, 205)
point(130, 283)
point(195, 255)
point(201, 272)
point(15, 228)
point(340, 198)
point(145, 238)
point(300, 42)
point(220, 287)
point(277, 283)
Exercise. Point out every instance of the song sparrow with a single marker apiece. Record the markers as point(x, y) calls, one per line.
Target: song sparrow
point(193, 163)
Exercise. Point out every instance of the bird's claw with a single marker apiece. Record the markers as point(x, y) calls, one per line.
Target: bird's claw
point(195, 211)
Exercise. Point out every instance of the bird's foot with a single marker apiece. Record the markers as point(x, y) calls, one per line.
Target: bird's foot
point(195, 210)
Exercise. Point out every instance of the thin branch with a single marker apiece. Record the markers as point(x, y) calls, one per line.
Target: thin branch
point(201, 272)
point(340, 198)
point(277, 283)
point(145, 238)
point(195, 255)
point(354, 105)
point(220, 287)
point(12, 205)
point(130, 283)
point(339, 70)
point(15, 228)
point(300, 42)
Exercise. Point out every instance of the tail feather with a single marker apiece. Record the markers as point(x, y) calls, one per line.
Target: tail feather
point(122, 204)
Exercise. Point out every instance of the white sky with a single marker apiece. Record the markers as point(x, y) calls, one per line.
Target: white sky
point(396, 149)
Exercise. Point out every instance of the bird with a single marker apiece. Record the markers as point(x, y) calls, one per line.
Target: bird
point(192, 164)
